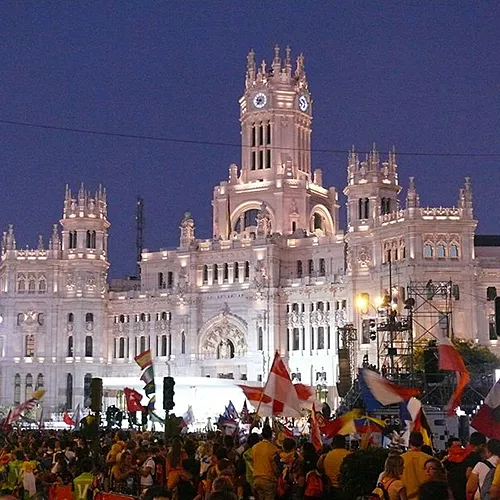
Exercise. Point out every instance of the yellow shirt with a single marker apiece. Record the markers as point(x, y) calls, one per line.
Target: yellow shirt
point(414, 473)
point(496, 477)
point(263, 454)
point(332, 462)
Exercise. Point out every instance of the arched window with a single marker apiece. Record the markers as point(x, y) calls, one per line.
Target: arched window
point(142, 317)
point(89, 346)
point(163, 347)
point(321, 337)
point(31, 286)
point(72, 239)
point(39, 382)
point(216, 273)
point(247, 270)
point(317, 221)
point(428, 251)
point(87, 390)
point(89, 318)
point(69, 391)
point(322, 268)
point(42, 286)
point(310, 267)
point(122, 318)
point(454, 251)
point(260, 339)
point(21, 286)
point(183, 343)
point(249, 218)
point(205, 273)
point(299, 269)
point(226, 272)
point(121, 348)
point(87, 240)
point(70, 347)
point(441, 251)
point(93, 240)
point(71, 317)
point(17, 389)
point(236, 271)
point(29, 385)
point(142, 344)
point(161, 281)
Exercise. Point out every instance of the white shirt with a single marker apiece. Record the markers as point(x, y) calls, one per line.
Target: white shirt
point(147, 481)
point(481, 470)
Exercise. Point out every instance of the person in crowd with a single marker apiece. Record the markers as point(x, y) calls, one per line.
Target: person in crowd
point(83, 483)
point(390, 480)
point(434, 470)
point(265, 470)
point(481, 469)
point(331, 462)
point(434, 490)
point(146, 468)
point(414, 465)
point(252, 440)
point(460, 461)
point(123, 474)
point(495, 485)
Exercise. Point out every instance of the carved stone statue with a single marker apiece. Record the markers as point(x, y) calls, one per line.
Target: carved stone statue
point(187, 230)
point(263, 221)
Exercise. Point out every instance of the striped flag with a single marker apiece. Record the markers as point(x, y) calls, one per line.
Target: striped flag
point(16, 412)
point(144, 359)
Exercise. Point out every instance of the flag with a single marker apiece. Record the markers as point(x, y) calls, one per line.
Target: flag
point(245, 414)
point(315, 432)
point(232, 410)
point(450, 359)
point(188, 417)
point(78, 415)
point(151, 403)
point(68, 420)
point(16, 412)
point(150, 388)
point(148, 374)
point(417, 421)
point(368, 425)
point(281, 431)
point(487, 419)
point(341, 425)
point(378, 391)
point(133, 399)
point(144, 359)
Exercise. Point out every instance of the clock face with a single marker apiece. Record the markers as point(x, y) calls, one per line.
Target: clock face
point(260, 100)
point(303, 104)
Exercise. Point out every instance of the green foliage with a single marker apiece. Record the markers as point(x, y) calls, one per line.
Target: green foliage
point(478, 358)
point(360, 471)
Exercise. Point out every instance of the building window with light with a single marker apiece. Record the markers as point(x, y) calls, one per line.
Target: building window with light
point(428, 250)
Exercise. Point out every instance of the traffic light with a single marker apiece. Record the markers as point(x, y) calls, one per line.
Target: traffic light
point(96, 394)
point(372, 328)
point(168, 393)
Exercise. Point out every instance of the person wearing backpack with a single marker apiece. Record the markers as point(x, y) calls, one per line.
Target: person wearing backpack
point(481, 477)
point(390, 486)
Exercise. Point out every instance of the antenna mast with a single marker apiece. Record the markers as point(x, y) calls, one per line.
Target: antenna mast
point(139, 235)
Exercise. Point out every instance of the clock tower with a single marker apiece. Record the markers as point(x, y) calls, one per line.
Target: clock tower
point(276, 115)
point(275, 190)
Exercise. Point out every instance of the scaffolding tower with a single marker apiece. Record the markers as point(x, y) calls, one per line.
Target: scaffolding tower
point(423, 316)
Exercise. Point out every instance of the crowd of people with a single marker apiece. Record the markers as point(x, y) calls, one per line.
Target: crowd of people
point(60, 465)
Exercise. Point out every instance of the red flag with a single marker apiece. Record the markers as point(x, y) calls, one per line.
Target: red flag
point(315, 432)
point(450, 359)
point(133, 399)
point(68, 420)
point(487, 419)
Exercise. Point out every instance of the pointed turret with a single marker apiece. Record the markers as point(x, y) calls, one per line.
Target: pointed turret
point(465, 199)
point(276, 61)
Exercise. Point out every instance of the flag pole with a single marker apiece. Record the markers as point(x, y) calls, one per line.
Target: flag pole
point(254, 423)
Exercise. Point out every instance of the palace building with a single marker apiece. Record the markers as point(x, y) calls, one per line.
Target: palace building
point(280, 273)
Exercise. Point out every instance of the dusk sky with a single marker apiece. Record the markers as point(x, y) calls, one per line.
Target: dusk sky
point(422, 76)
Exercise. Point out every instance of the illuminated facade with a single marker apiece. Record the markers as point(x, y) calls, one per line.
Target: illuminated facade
point(279, 274)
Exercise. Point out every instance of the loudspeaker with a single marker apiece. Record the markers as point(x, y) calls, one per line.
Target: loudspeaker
point(431, 366)
point(96, 403)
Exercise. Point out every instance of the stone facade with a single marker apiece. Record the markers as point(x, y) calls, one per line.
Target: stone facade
point(279, 273)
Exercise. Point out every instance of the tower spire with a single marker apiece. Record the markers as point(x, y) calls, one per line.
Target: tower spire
point(277, 60)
